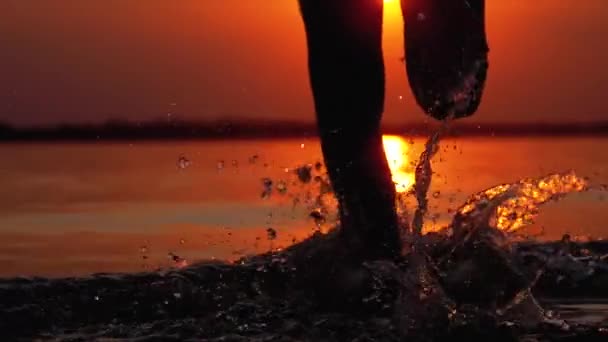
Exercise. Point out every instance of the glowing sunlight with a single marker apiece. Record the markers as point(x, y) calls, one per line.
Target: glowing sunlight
point(396, 149)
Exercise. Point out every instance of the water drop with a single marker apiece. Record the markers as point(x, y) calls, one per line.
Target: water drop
point(183, 162)
point(304, 173)
point(282, 187)
point(272, 234)
point(267, 184)
point(318, 216)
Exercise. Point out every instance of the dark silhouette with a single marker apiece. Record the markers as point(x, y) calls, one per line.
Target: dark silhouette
point(446, 64)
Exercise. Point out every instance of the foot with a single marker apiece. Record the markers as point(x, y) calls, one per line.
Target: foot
point(446, 55)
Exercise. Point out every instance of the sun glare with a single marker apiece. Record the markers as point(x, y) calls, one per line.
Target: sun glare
point(396, 149)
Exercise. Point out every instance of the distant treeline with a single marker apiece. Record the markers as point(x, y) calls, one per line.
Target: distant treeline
point(186, 130)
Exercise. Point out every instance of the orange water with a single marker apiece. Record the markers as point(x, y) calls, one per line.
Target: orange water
point(73, 209)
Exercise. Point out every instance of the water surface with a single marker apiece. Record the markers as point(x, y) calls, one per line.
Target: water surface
point(75, 209)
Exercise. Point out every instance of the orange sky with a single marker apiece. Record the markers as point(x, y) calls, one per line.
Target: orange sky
point(75, 60)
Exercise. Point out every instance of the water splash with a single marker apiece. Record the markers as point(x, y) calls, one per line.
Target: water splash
point(310, 188)
point(424, 175)
point(516, 205)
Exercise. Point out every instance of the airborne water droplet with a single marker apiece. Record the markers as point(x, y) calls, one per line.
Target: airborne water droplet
point(282, 187)
point(272, 234)
point(267, 184)
point(318, 216)
point(183, 162)
point(304, 173)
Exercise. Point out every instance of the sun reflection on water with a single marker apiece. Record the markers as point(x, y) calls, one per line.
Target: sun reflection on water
point(396, 149)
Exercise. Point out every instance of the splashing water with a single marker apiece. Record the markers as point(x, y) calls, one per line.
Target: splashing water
point(424, 174)
point(411, 297)
point(517, 205)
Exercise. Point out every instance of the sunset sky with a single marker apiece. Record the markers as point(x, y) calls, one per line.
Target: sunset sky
point(91, 60)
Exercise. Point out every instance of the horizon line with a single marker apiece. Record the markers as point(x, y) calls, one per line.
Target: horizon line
point(260, 129)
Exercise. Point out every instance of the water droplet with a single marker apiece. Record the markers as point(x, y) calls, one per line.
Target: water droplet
point(220, 165)
point(304, 173)
point(436, 194)
point(183, 162)
point(267, 184)
point(282, 187)
point(253, 159)
point(272, 234)
point(179, 261)
point(318, 216)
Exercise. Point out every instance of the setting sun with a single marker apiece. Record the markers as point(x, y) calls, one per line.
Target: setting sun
point(396, 150)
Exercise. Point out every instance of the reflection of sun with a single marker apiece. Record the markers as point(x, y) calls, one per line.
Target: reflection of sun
point(396, 150)
point(392, 14)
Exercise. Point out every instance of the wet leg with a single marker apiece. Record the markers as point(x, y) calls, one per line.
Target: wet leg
point(347, 77)
point(446, 54)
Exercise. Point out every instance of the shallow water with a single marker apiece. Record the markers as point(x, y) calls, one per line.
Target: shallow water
point(75, 209)
point(255, 298)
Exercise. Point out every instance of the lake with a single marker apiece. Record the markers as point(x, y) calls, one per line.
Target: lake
point(75, 209)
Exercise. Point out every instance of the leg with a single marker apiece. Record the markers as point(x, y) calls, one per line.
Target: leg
point(347, 78)
point(446, 54)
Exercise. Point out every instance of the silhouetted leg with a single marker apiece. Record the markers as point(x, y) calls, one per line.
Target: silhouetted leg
point(446, 54)
point(347, 77)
